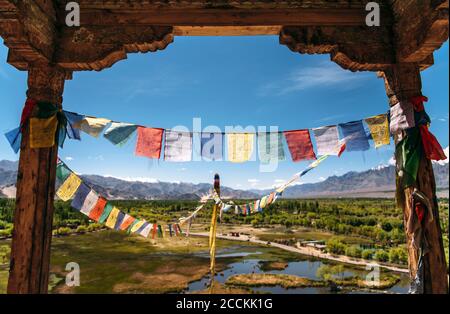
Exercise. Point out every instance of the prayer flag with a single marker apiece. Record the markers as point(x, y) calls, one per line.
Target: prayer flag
point(98, 209)
point(263, 202)
point(402, 117)
point(111, 221)
point(119, 221)
point(127, 222)
point(300, 145)
point(105, 214)
point(92, 126)
point(80, 196)
point(327, 140)
point(43, 132)
point(119, 133)
point(142, 227)
point(357, 137)
point(154, 230)
point(69, 187)
point(89, 202)
point(270, 147)
point(160, 232)
point(270, 199)
point(212, 146)
point(379, 129)
point(145, 232)
point(170, 230)
point(14, 138)
point(178, 146)
point(407, 155)
point(62, 172)
point(240, 146)
point(137, 226)
point(73, 120)
point(149, 142)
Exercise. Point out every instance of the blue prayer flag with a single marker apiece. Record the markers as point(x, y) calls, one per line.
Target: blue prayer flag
point(80, 196)
point(119, 220)
point(212, 146)
point(358, 140)
point(72, 119)
point(119, 133)
point(14, 138)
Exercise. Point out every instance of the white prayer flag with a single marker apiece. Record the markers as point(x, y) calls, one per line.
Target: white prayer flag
point(89, 203)
point(327, 140)
point(402, 117)
point(178, 146)
point(146, 230)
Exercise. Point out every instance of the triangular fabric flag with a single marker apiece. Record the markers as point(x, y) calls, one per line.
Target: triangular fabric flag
point(82, 192)
point(92, 126)
point(98, 209)
point(43, 132)
point(89, 202)
point(357, 137)
point(178, 146)
point(119, 133)
point(300, 145)
point(69, 187)
point(327, 140)
point(119, 221)
point(212, 146)
point(240, 146)
point(270, 147)
point(62, 172)
point(379, 129)
point(106, 213)
point(149, 142)
point(14, 138)
point(127, 222)
point(402, 117)
point(73, 119)
point(111, 221)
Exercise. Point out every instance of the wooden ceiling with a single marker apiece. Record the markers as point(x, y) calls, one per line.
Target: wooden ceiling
point(35, 30)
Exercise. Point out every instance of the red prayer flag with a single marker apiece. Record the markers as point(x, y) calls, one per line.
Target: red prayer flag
point(26, 112)
point(149, 142)
point(300, 145)
point(127, 223)
point(433, 150)
point(98, 209)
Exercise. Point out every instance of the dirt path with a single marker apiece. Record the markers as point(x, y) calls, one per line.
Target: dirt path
point(308, 251)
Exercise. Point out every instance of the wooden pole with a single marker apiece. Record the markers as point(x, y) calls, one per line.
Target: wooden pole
point(213, 233)
point(33, 216)
point(402, 82)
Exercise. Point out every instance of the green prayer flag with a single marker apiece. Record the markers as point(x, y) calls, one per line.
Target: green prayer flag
point(105, 214)
point(408, 153)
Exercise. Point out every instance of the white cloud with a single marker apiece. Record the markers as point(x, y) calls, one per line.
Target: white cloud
point(68, 158)
point(253, 180)
point(322, 179)
point(325, 74)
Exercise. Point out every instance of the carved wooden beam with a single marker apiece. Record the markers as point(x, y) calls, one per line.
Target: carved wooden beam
point(28, 29)
point(420, 28)
point(96, 48)
point(353, 48)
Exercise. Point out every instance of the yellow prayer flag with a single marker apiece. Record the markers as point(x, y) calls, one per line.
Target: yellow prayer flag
point(43, 132)
point(112, 218)
point(379, 128)
point(240, 147)
point(69, 187)
point(92, 126)
point(137, 226)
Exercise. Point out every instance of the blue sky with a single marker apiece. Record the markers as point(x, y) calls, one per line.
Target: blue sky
point(225, 81)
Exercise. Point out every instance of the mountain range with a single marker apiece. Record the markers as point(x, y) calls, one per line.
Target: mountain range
point(376, 182)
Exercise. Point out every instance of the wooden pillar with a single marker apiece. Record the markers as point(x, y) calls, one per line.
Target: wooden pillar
point(33, 216)
point(402, 82)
